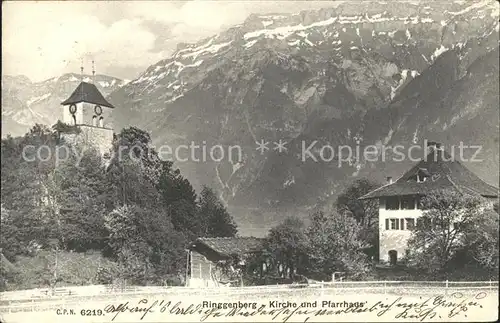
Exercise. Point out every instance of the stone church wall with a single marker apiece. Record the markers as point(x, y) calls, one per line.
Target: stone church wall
point(90, 136)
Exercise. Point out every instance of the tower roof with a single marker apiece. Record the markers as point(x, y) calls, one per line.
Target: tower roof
point(87, 92)
point(443, 171)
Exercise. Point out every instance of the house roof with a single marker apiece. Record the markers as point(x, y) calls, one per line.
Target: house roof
point(443, 171)
point(232, 246)
point(87, 92)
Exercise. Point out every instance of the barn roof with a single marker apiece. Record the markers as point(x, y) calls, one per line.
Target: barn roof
point(443, 172)
point(87, 92)
point(232, 246)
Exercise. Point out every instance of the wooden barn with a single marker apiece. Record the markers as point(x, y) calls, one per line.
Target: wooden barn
point(211, 260)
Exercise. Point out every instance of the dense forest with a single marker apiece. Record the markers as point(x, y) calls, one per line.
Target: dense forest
point(126, 216)
point(73, 217)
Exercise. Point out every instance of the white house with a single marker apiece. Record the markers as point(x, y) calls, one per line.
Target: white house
point(398, 201)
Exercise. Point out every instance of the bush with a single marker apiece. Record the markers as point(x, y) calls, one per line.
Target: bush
point(73, 269)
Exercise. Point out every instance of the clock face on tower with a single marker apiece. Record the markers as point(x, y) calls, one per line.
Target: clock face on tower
point(72, 109)
point(98, 110)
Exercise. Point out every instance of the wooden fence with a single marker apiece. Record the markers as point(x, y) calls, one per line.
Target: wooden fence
point(45, 299)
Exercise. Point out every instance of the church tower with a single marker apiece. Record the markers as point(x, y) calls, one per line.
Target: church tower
point(87, 109)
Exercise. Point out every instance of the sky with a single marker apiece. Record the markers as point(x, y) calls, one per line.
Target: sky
point(44, 39)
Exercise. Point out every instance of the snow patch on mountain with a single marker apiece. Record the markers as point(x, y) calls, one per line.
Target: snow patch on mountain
point(284, 32)
point(289, 181)
point(438, 52)
point(105, 84)
point(37, 99)
point(415, 136)
point(404, 76)
point(472, 7)
point(250, 43)
point(209, 49)
point(267, 22)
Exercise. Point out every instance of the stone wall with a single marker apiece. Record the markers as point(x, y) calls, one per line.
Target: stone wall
point(100, 138)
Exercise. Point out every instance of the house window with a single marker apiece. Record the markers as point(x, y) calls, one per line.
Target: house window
point(400, 224)
point(392, 203)
point(422, 175)
point(101, 122)
point(421, 178)
point(407, 203)
point(394, 224)
point(410, 224)
point(94, 121)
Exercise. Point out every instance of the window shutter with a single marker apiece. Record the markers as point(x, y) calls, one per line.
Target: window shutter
point(397, 224)
point(387, 224)
point(402, 224)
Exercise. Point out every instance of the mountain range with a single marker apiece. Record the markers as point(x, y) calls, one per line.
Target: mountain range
point(363, 73)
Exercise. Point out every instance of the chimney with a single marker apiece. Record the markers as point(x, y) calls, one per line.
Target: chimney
point(389, 180)
point(436, 145)
point(93, 72)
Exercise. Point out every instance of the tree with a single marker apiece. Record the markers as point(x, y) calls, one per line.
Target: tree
point(145, 244)
point(138, 209)
point(179, 198)
point(335, 244)
point(482, 241)
point(448, 217)
point(10, 235)
point(27, 165)
point(60, 127)
point(365, 212)
point(186, 218)
point(219, 223)
point(286, 244)
point(134, 169)
point(83, 201)
point(173, 186)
